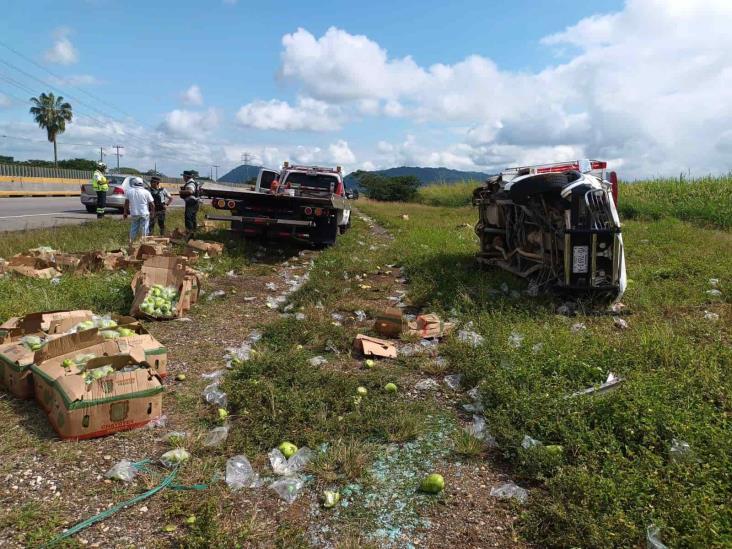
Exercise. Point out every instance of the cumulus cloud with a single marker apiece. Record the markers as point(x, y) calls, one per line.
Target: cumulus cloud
point(192, 96)
point(307, 114)
point(648, 86)
point(63, 51)
point(181, 122)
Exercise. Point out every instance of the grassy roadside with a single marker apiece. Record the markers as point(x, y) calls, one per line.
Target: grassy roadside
point(614, 473)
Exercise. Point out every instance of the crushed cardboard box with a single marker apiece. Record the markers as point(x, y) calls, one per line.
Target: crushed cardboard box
point(96, 261)
point(389, 323)
point(149, 246)
point(429, 326)
point(167, 271)
point(79, 408)
point(373, 346)
point(34, 267)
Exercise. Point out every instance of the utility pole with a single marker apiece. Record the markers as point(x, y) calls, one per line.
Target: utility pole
point(101, 154)
point(118, 147)
point(247, 158)
point(216, 168)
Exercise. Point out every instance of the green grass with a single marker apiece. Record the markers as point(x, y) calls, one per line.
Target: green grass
point(447, 194)
point(706, 201)
point(614, 475)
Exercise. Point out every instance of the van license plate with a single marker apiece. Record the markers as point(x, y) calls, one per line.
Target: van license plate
point(579, 259)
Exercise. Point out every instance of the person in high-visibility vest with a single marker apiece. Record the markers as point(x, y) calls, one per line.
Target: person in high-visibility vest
point(101, 186)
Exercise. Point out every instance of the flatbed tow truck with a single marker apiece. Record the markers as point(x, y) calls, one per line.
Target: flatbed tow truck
point(305, 203)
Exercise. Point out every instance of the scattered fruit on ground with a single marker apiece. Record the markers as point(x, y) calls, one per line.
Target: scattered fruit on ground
point(432, 484)
point(288, 449)
point(362, 391)
point(390, 387)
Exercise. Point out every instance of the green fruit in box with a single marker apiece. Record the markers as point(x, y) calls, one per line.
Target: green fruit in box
point(432, 484)
point(390, 388)
point(68, 363)
point(159, 301)
point(126, 332)
point(288, 449)
point(362, 391)
point(155, 292)
point(157, 313)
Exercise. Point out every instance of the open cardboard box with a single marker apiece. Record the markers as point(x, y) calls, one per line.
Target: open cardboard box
point(389, 323)
point(48, 361)
point(213, 249)
point(34, 267)
point(120, 401)
point(429, 326)
point(149, 246)
point(167, 271)
point(47, 322)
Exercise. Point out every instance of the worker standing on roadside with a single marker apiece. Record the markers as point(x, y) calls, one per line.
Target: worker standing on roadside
point(190, 193)
point(100, 186)
point(162, 199)
point(140, 205)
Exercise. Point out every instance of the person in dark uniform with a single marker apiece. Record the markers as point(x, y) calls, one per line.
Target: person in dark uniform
point(190, 193)
point(162, 199)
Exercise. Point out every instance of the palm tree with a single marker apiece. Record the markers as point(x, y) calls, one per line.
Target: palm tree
point(51, 113)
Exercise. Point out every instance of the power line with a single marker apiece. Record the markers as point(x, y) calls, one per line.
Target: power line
point(118, 147)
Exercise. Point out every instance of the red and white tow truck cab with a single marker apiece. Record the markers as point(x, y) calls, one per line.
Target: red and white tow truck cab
point(555, 223)
point(302, 202)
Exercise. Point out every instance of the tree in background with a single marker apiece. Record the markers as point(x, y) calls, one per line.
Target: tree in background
point(402, 188)
point(51, 113)
point(126, 171)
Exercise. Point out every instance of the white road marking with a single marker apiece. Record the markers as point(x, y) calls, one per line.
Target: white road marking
point(36, 215)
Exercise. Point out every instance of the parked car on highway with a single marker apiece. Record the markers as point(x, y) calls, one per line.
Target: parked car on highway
point(118, 184)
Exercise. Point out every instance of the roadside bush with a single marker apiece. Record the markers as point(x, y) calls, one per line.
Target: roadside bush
point(401, 188)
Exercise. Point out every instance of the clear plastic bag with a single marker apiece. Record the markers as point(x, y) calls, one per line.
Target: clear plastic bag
point(509, 490)
point(529, 442)
point(216, 436)
point(288, 488)
point(239, 473)
point(653, 538)
point(680, 450)
point(470, 337)
point(288, 467)
point(214, 395)
point(515, 340)
point(175, 457)
point(123, 470)
point(317, 361)
point(453, 381)
point(427, 384)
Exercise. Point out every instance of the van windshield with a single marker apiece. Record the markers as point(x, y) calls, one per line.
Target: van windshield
point(321, 182)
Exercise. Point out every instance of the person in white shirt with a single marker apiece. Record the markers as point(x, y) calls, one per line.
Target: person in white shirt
point(140, 205)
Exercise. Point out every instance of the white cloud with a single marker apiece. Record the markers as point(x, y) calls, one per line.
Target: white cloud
point(648, 86)
point(192, 96)
point(5, 101)
point(181, 122)
point(63, 51)
point(341, 153)
point(308, 114)
point(75, 80)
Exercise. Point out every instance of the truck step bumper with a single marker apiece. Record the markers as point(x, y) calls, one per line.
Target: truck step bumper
point(261, 221)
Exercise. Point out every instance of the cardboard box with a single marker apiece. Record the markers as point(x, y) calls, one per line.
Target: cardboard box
point(213, 249)
point(389, 323)
point(373, 346)
point(149, 246)
point(34, 267)
point(167, 271)
point(120, 401)
point(15, 369)
point(47, 363)
point(93, 262)
point(429, 326)
point(48, 322)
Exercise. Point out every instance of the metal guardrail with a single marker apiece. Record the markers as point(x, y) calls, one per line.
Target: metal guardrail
point(20, 171)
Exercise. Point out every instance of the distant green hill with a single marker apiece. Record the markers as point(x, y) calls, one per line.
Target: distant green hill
point(240, 174)
point(426, 176)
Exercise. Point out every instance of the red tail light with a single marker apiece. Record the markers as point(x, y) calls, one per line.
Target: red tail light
point(614, 184)
point(318, 211)
point(118, 190)
point(308, 211)
point(231, 204)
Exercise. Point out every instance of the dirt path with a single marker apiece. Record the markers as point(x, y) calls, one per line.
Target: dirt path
point(47, 485)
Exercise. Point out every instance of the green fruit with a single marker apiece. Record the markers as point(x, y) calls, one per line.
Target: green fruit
point(190, 521)
point(125, 332)
point(223, 414)
point(330, 499)
point(288, 449)
point(554, 449)
point(369, 363)
point(180, 377)
point(169, 528)
point(68, 363)
point(390, 388)
point(362, 391)
point(432, 484)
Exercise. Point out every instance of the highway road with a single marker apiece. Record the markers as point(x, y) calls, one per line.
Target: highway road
point(17, 214)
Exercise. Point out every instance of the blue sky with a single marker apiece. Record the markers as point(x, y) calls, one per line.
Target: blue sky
point(472, 85)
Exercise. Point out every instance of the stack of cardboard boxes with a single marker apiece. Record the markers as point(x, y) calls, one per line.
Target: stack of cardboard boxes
point(118, 386)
